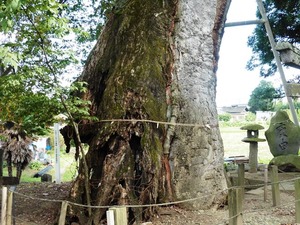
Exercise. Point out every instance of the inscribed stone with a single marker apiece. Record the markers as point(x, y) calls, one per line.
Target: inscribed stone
point(283, 135)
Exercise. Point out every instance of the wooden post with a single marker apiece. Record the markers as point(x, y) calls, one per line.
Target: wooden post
point(239, 206)
point(120, 215)
point(297, 200)
point(243, 23)
point(289, 54)
point(110, 217)
point(265, 182)
point(241, 178)
point(1, 164)
point(235, 206)
point(57, 153)
point(9, 207)
point(63, 213)
point(4, 205)
point(293, 90)
point(275, 186)
point(231, 207)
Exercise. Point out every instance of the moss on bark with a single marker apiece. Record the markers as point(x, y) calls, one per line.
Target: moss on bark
point(127, 73)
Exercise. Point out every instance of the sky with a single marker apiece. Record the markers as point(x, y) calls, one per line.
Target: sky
point(234, 83)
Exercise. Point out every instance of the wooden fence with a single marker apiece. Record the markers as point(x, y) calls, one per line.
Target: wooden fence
point(117, 215)
point(236, 195)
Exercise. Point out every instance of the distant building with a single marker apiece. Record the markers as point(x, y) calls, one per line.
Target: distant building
point(238, 112)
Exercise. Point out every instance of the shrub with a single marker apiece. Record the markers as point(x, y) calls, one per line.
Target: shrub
point(250, 117)
point(35, 165)
point(224, 117)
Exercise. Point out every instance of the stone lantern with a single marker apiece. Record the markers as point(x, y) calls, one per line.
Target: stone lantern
point(253, 139)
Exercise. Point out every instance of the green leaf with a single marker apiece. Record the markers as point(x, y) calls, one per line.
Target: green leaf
point(8, 58)
point(52, 2)
point(4, 24)
point(14, 4)
point(41, 43)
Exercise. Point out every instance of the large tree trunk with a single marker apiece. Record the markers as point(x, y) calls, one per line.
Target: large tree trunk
point(197, 152)
point(155, 61)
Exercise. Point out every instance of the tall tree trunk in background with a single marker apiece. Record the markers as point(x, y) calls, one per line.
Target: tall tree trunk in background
point(155, 60)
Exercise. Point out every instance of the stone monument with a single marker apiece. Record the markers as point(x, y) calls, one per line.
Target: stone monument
point(283, 135)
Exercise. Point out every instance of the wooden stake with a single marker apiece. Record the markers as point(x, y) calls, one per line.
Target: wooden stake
point(235, 206)
point(241, 178)
point(63, 213)
point(120, 215)
point(110, 217)
point(9, 207)
point(1, 164)
point(231, 207)
point(265, 182)
point(239, 206)
point(275, 186)
point(4, 205)
point(297, 200)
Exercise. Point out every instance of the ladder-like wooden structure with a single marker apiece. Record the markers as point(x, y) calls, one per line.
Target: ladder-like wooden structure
point(289, 56)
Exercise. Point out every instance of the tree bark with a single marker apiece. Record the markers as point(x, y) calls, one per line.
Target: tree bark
point(197, 152)
point(137, 71)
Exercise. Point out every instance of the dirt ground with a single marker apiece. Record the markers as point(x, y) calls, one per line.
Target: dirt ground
point(34, 205)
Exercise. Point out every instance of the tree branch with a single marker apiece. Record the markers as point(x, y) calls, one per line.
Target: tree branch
point(48, 64)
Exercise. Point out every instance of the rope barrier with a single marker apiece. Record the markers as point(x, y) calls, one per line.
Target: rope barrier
point(209, 126)
point(127, 206)
point(36, 198)
point(166, 204)
point(180, 201)
point(158, 204)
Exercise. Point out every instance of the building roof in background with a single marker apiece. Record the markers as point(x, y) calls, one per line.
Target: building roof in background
point(235, 109)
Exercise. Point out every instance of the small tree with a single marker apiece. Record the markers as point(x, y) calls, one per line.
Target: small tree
point(36, 52)
point(263, 96)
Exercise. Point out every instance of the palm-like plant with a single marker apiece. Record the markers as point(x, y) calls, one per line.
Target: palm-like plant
point(16, 150)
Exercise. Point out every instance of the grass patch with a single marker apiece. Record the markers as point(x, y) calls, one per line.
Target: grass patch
point(70, 172)
point(27, 175)
point(234, 146)
point(68, 168)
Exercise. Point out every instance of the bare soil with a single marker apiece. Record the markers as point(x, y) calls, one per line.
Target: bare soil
point(35, 204)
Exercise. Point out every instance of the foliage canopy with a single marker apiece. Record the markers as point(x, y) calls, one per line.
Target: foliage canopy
point(44, 44)
point(284, 18)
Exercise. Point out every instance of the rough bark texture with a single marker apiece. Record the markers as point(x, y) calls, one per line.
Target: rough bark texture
point(155, 60)
point(197, 152)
